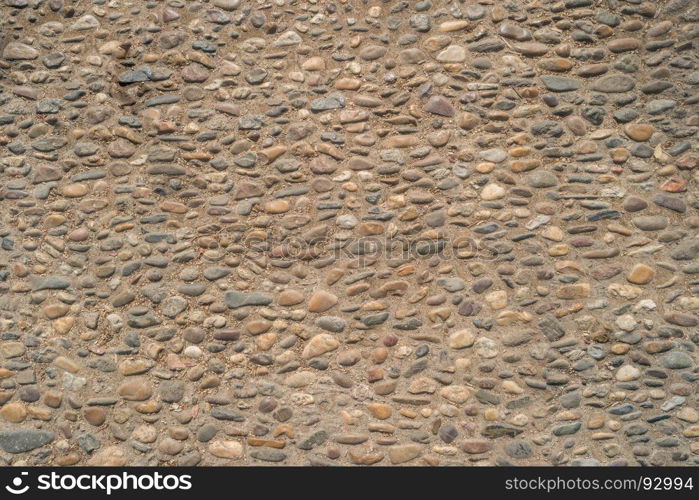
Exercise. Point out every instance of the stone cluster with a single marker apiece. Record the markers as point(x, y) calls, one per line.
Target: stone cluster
point(430, 232)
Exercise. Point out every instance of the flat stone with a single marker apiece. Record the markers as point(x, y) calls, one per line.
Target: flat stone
point(373, 52)
point(52, 283)
point(24, 440)
point(321, 301)
point(229, 449)
point(135, 390)
point(641, 274)
point(686, 250)
point(476, 446)
point(560, 83)
point(334, 101)
point(575, 291)
point(514, 31)
point(288, 39)
point(452, 54)
point(290, 297)
point(635, 204)
point(172, 391)
point(615, 83)
point(15, 51)
point(627, 373)
point(670, 202)
point(401, 454)
point(493, 192)
point(519, 449)
point(651, 222)
point(681, 319)
point(13, 412)
point(639, 131)
point(542, 179)
point(235, 299)
point(677, 361)
point(84, 23)
point(438, 105)
point(268, 455)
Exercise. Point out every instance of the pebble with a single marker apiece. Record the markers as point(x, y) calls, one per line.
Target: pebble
point(13, 412)
point(613, 84)
point(634, 204)
point(228, 449)
point(639, 131)
point(493, 192)
point(401, 454)
point(438, 105)
point(23, 440)
point(677, 361)
point(452, 54)
point(627, 373)
point(641, 274)
point(651, 222)
point(16, 51)
point(560, 83)
point(461, 339)
point(321, 301)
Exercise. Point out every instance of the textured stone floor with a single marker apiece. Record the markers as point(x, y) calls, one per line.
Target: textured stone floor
point(343, 232)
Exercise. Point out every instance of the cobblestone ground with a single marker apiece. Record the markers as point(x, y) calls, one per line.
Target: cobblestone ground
point(343, 232)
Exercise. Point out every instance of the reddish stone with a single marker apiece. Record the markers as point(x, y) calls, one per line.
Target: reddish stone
point(674, 185)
